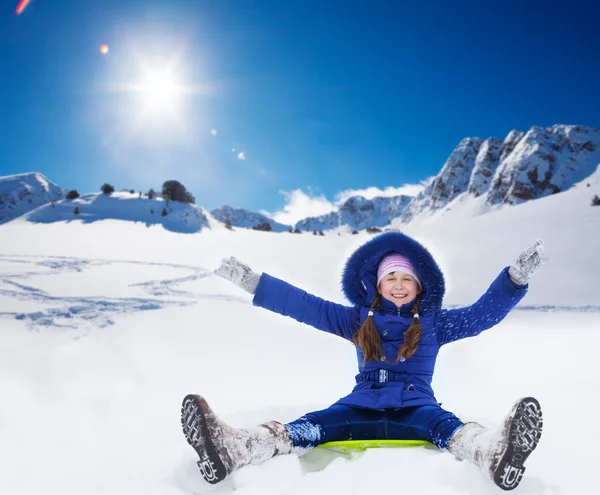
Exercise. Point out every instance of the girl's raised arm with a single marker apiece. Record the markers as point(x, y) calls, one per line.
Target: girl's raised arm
point(491, 308)
point(283, 298)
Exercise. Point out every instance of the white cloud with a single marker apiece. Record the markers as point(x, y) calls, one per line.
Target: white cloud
point(301, 205)
point(373, 192)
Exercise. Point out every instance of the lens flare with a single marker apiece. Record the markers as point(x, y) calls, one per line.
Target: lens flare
point(21, 6)
point(104, 49)
point(241, 156)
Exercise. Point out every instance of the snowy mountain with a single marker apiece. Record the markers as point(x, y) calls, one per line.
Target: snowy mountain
point(246, 219)
point(124, 206)
point(525, 166)
point(545, 161)
point(358, 213)
point(107, 326)
point(22, 193)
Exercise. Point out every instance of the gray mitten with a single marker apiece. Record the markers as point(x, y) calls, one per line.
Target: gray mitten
point(239, 273)
point(528, 262)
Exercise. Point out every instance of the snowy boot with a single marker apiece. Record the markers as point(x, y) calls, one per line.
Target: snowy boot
point(501, 455)
point(223, 449)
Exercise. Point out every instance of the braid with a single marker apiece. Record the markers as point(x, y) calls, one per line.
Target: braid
point(367, 337)
point(412, 335)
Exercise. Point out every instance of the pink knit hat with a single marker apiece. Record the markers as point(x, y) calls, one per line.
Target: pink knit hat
point(395, 263)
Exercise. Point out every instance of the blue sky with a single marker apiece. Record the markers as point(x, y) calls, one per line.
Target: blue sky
point(321, 97)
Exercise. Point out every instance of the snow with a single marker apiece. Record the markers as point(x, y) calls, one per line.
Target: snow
point(107, 325)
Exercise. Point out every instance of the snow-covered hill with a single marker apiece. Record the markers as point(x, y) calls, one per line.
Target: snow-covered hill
point(125, 206)
point(106, 326)
point(22, 193)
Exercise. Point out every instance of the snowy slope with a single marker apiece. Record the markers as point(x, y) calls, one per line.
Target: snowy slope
point(107, 325)
point(22, 193)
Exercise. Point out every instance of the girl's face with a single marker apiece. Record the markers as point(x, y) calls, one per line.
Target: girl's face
point(398, 287)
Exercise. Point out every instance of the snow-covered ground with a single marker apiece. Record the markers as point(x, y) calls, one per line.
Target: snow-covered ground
point(106, 326)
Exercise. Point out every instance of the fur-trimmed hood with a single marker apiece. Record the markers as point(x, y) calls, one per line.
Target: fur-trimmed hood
point(360, 273)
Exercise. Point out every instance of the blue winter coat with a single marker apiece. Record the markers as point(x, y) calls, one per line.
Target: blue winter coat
point(387, 384)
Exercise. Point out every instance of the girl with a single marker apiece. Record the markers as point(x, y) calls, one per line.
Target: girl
point(397, 324)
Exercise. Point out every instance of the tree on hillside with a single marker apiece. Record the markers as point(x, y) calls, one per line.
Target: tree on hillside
point(175, 191)
point(72, 194)
point(151, 194)
point(596, 201)
point(107, 189)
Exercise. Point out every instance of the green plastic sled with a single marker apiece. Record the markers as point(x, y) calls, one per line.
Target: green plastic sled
point(349, 446)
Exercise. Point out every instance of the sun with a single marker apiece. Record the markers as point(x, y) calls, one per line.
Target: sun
point(160, 90)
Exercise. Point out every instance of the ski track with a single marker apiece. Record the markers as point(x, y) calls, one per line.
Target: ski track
point(99, 312)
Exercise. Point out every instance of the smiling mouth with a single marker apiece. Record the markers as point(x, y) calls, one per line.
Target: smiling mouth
point(399, 296)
